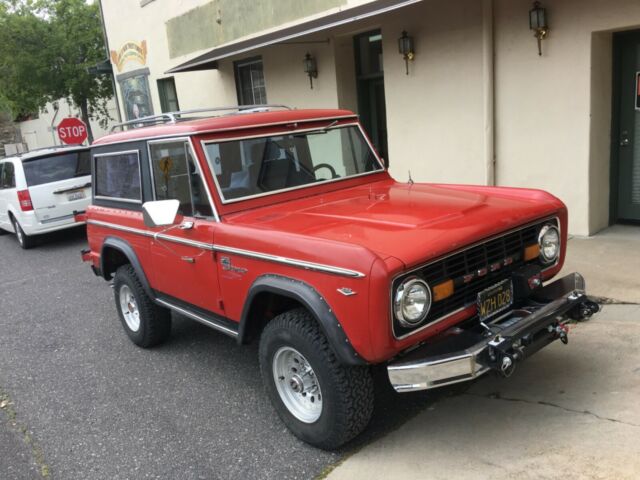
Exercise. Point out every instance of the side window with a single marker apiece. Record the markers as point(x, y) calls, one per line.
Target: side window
point(175, 176)
point(7, 176)
point(117, 176)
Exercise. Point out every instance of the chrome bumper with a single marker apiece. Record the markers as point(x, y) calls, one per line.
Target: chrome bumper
point(459, 355)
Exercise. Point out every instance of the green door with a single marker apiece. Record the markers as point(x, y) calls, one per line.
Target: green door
point(627, 142)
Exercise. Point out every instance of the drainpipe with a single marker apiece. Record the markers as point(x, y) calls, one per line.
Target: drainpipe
point(488, 94)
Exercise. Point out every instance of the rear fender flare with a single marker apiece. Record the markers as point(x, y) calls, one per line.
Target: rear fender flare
point(127, 250)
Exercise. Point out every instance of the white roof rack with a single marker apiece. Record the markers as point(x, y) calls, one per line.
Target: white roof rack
point(174, 117)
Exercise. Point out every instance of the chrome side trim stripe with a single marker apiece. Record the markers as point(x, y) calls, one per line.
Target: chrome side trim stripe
point(198, 318)
point(121, 228)
point(183, 241)
point(318, 267)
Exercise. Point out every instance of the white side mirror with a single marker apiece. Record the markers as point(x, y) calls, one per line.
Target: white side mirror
point(160, 213)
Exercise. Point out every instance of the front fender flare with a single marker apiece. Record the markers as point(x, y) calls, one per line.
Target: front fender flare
point(310, 299)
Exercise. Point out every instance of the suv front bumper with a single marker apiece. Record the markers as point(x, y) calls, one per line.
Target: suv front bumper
point(461, 355)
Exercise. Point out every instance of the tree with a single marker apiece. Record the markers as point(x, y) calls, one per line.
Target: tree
point(46, 48)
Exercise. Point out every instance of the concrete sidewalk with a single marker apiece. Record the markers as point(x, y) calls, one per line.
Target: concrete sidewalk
point(567, 412)
point(609, 261)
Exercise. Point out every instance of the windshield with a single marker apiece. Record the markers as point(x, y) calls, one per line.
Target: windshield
point(56, 168)
point(245, 168)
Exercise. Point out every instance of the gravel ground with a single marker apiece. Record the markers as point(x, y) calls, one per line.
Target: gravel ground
point(93, 405)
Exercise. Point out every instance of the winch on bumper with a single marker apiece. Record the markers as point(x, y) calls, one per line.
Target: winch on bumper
point(460, 355)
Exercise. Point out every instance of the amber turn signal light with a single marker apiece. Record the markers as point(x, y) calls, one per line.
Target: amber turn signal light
point(531, 252)
point(442, 290)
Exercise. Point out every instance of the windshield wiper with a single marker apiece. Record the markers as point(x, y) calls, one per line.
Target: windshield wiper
point(317, 130)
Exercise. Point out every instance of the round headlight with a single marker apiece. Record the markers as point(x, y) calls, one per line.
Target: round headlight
point(412, 302)
point(549, 241)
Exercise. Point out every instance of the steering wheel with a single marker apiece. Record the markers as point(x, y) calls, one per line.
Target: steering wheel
point(327, 166)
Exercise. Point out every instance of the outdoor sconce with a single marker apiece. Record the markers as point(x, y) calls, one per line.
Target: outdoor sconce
point(405, 47)
point(310, 68)
point(538, 23)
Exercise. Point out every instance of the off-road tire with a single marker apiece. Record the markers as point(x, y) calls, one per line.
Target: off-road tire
point(25, 241)
point(155, 321)
point(347, 391)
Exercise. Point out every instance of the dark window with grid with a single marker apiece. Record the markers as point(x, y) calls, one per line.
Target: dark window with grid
point(7, 176)
point(250, 82)
point(168, 95)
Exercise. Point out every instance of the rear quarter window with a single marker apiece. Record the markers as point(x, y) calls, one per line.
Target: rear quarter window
point(117, 176)
point(56, 168)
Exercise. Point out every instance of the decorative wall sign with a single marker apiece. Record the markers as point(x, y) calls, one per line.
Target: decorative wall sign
point(130, 52)
point(136, 96)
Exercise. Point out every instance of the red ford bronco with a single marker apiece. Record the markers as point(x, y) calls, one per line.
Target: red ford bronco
point(283, 227)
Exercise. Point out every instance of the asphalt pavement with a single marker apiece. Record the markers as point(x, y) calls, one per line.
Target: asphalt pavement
point(83, 402)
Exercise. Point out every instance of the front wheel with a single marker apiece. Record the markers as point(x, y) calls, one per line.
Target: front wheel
point(323, 402)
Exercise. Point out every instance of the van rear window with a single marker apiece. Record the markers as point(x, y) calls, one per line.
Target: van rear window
point(56, 168)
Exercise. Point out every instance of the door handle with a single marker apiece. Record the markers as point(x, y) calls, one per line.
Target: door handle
point(186, 226)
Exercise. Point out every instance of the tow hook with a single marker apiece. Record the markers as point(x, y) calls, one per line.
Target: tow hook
point(504, 362)
point(561, 332)
point(585, 310)
point(507, 366)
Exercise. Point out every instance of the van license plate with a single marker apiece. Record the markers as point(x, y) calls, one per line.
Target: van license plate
point(495, 299)
point(75, 196)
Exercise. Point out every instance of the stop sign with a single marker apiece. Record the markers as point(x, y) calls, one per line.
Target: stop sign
point(72, 131)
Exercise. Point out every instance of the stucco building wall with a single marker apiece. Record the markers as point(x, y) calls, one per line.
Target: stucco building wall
point(478, 96)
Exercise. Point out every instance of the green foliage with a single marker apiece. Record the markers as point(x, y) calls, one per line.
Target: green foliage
point(46, 47)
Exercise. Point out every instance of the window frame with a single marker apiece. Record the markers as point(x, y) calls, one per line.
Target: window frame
point(94, 167)
point(224, 201)
point(243, 63)
point(160, 82)
point(2, 167)
point(188, 141)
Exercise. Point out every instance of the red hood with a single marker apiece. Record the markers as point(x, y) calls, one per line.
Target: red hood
point(410, 222)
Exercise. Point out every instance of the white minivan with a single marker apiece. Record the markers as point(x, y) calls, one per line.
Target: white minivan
point(41, 190)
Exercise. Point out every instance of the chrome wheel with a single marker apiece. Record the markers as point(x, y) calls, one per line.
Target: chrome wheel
point(19, 234)
point(297, 385)
point(129, 308)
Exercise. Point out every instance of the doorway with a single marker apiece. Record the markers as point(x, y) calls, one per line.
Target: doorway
point(625, 174)
point(370, 88)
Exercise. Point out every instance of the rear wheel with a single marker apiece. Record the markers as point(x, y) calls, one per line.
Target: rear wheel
point(25, 241)
point(323, 402)
point(146, 323)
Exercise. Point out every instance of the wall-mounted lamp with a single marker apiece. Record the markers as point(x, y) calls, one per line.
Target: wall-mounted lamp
point(538, 23)
point(405, 47)
point(310, 68)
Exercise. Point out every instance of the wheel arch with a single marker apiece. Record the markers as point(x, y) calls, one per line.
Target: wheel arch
point(273, 294)
point(116, 252)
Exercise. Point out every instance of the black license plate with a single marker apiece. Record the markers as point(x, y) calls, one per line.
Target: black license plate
point(495, 299)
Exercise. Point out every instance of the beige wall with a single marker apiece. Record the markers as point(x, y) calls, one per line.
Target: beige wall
point(435, 114)
point(553, 112)
point(550, 116)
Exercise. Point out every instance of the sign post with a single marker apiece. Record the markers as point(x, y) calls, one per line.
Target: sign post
point(72, 131)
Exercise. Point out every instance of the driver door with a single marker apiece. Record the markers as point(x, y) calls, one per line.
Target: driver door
point(184, 268)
